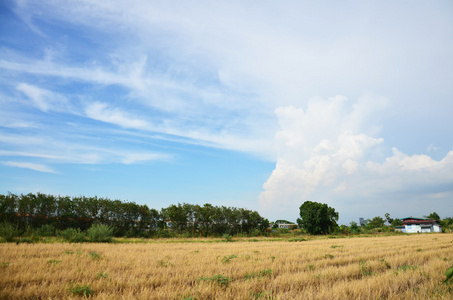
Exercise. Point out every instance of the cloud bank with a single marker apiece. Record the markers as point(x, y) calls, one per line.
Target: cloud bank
point(331, 152)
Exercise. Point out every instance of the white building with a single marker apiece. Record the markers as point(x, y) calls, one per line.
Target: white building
point(419, 225)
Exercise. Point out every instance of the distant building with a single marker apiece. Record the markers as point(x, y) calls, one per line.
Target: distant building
point(419, 225)
point(362, 222)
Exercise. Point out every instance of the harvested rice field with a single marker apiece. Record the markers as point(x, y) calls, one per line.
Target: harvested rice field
point(390, 267)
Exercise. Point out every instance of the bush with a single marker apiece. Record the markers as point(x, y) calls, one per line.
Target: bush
point(9, 232)
point(73, 235)
point(100, 233)
point(46, 230)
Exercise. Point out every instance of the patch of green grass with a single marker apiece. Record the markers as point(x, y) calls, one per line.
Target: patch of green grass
point(336, 246)
point(217, 279)
point(405, 268)
point(329, 256)
point(387, 265)
point(162, 263)
point(297, 240)
point(264, 273)
point(101, 275)
point(53, 262)
point(81, 290)
point(4, 264)
point(24, 241)
point(227, 259)
point(95, 256)
point(258, 295)
point(365, 269)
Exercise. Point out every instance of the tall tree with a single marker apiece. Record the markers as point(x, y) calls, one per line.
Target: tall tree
point(434, 216)
point(317, 218)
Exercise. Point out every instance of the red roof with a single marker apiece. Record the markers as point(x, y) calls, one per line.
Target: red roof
point(409, 221)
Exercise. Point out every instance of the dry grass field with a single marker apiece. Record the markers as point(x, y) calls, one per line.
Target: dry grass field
point(392, 267)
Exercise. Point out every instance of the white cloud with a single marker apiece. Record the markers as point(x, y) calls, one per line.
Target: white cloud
point(43, 99)
point(133, 158)
point(102, 112)
point(31, 166)
point(325, 156)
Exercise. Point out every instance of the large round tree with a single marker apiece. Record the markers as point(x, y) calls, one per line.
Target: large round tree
point(317, 218)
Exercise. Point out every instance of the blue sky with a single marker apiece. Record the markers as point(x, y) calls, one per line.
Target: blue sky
point(256, 105)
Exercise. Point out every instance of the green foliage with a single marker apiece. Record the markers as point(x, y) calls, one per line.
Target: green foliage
point(387, 265)
point(434, 216)
point(101, 275)
point(376, 222)
point(100, 233)
point(217, 279)
point(45, 214)
point(73, 235)
point(329, 256)
point(264, 273)
point(24, 241)
point(297, 240)
point(162, 263)
point(227, 238)
point(46, 230)
point(317, 218)
point(81, 290)
point(227, 259)
point(9, 231)
point(405, 268)
point(4, 264)
point(53, 262)
point(95, 256)
point(397, 222)
point(449, 275)
point(365, 268)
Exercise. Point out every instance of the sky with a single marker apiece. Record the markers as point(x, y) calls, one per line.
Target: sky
point(255, 104)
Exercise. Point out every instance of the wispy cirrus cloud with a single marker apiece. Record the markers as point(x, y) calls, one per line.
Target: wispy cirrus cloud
point(28, 165)
point(44, 100)
point(102, 112)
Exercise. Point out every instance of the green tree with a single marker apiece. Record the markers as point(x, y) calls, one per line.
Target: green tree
point(377, 222)
point(397, 222)
point(434, 216)
point(317, 218)
point(388, 218)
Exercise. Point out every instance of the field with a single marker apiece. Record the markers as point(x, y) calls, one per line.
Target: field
point(390, 267)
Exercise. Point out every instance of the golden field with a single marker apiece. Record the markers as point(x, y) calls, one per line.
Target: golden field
point(390, 267)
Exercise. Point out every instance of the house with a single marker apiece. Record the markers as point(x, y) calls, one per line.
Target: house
point(416, 225)
point(286, 225)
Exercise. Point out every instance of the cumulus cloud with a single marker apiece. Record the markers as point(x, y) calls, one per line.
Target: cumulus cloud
point(327, 153)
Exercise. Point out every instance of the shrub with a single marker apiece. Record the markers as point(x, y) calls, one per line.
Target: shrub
point(73, 235)
point(46, 230)
point(8, 231)
point(227, 238)
point(100, 233)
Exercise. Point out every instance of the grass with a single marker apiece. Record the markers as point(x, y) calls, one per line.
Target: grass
point(387, 267)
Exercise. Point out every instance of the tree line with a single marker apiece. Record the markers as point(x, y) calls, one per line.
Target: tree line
point(127, 218)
